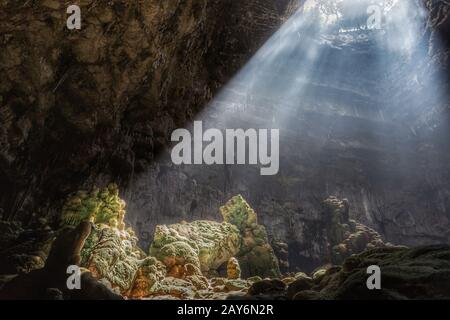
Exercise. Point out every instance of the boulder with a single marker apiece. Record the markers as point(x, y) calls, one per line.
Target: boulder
point(301, 284)
point(204, 244)
point(267, 287)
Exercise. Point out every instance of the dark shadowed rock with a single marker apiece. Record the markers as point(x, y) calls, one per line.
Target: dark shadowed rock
point(267, 287)
point(298, 285)
point(46, 282)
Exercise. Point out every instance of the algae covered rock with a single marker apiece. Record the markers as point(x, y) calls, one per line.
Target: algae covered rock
point(149, 274)
point(98, 206)
point(112, 254)
point(256, 256)
point(175, 288)
point(204, 244)
point(239, 213)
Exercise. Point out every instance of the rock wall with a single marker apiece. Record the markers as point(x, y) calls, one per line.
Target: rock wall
point(78, 107)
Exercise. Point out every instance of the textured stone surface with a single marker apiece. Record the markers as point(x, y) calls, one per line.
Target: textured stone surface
point(112, 254)
point(418, 273)
point(233, 269)
point(346, 236)
point(50, 282)
point(256, 256)
point(205, 244)
point(98, 206)
point(24, 249)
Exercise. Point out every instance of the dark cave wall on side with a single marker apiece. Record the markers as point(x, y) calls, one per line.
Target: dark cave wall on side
point(81, 107)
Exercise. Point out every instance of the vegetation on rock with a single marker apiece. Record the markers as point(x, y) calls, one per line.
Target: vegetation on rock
point(256, 256)
point(183, 255)
point(205, 244)
point(98, 206)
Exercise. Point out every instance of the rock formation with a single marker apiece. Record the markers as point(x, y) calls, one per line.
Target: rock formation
point(419, 273)
point(205, 244)
point(256, 256)
point(233, 269)
point(113, 266)
point(346, 236)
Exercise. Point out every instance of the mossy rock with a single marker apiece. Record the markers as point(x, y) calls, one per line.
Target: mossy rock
point(150, 273)
point(205, 244)
point(177, 253)
point(256, 256)
point(112, 254)
point(239, 213)
point(417, 273)
point(98, 206)
point(260, 261)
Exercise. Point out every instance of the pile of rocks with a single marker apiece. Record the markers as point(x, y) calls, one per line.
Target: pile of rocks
point(94, 237)
point(418, 273)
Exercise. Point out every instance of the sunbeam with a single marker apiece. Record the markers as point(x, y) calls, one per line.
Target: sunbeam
point(328, 80)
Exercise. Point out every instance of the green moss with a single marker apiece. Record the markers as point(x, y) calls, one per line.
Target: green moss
point(239, 213)
point(112, 254)
point(206, 244)
point(98, 206)
point(256, 257)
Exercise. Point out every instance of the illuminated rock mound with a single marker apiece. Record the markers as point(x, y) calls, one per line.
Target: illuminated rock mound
point(180, 256)
point(205, 244)
point(256, 257)
point(97, 206)
point(208, 245)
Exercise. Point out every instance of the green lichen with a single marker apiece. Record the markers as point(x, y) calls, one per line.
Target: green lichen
point(112, 254)
point(256, 257)
point(239, 213)
point(206, 244)
point(98, 206)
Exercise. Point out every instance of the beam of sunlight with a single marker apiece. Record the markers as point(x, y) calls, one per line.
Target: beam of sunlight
point(331, 84)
